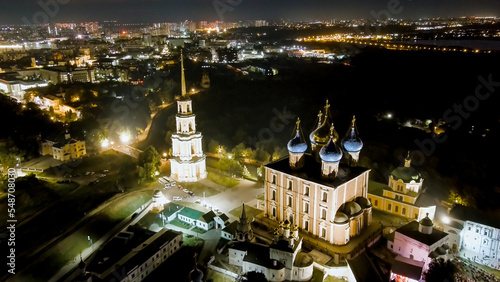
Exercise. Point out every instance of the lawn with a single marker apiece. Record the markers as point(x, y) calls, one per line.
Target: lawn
point(250, 212)
point(223, 180)
point(388, 219)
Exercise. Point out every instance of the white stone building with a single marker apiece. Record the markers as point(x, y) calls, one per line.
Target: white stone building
point(188, 161)
point(475, 235)
point(283, 260)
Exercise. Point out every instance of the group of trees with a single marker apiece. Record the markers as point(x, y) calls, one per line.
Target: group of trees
point(148, 166)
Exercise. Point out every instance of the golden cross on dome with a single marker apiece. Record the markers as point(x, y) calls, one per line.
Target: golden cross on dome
point(331, 131)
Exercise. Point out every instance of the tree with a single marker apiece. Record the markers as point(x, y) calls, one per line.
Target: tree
point(230, 165)
point(254, 276)
point(149, 165)
point(441, 270)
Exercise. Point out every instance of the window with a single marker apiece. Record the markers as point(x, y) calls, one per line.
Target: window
point(324, 196)
point(273, 195)
point(323, 213)
point(306, 207)
point(323, 232)
point(389, 207)
point(306, 190)
point(416, 216)
point(274, 211)
point(376, 202)
point(306, 225)
point(290, 201)
point(403, 211)
point(290, 184)
point(396, 208)
point(274, 178)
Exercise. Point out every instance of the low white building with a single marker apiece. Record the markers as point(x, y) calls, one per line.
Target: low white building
point(419, 242)
point(134, 255)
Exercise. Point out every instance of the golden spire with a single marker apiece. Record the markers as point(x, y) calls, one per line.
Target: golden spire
point(353, 119)
point(183, 78)
point(298, 124)
point(408, 160)
point(332, 130)
point(327, 107)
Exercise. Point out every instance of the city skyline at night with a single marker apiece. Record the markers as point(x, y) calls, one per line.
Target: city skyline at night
point(165, 11)
point(249, 140)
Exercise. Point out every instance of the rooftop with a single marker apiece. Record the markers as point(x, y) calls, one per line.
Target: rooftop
point(467, 213)
point(129, 251)
point(407, 267)
point(364, 269)
point(257, 254)
point(191, 213)
point(312, 171)
point(411, 230)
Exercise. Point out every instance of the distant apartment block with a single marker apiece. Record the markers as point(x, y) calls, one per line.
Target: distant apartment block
point(64, 74)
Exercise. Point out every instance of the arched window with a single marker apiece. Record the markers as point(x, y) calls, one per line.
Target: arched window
point(389, 207)
point(396, 208)
point(376, 202)
point(403, 211)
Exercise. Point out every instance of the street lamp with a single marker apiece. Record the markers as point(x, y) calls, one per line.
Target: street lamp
point(90, 239)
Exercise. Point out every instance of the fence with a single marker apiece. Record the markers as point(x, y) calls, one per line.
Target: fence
point(221, 270)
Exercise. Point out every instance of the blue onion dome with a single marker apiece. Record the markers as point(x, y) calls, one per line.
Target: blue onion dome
point(331, 153)
point(311, 136)
point(297, 143)
point(351, 141)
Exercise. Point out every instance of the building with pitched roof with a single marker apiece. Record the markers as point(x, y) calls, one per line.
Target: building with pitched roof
point(403, 196)
point(133, 254)
point(419, 242)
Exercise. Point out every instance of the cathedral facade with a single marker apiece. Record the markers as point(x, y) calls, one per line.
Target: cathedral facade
point(188, 161)
point(323, 192)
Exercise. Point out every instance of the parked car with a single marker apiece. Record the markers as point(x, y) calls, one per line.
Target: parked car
point(177, 198)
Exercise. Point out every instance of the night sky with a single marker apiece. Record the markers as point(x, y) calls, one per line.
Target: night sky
point(178, 10)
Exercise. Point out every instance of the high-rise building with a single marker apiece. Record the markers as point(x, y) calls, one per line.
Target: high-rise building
point(323, 193)
point(188, 162)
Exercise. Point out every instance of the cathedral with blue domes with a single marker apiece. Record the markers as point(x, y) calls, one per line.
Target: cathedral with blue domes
point(320, 188)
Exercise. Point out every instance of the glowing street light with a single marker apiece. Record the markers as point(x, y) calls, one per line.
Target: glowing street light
point(125, 137)
point(389, 115)
point(105, 143)
point(445, 220)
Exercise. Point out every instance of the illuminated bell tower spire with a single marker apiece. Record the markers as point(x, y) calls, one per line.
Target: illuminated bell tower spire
point(183, 78)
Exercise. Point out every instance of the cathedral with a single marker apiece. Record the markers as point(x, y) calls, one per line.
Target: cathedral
point(188, 161)
point(323, 192)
